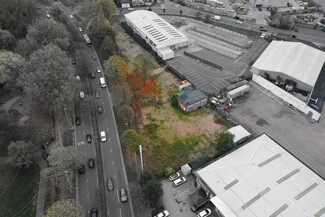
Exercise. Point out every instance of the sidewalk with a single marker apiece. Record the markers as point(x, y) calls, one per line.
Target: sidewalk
point(41, 188)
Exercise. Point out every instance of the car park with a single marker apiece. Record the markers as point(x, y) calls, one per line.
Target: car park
point(179, 181)
point(77, 121)
point(205, 213)
point(98, 70)
point(110, 184)
point(81, 95)
point(82, 169)
point(92, 74)
point(91, 163)
point(97, 95)
point(124, 196)
point(174, 176)
point(99, 109)
point(164, 213)
point(94, 212)
point(80, 29)
point(89, 138)
point(103, 136)
point(94, 57)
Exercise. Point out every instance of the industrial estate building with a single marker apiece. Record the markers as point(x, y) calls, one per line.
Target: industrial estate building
point(162, 37)
point(261, 179)
point(269, 3)
point(291, 70)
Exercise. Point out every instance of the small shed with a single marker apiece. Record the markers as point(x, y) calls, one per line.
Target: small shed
point(186, 169)
point(191, 99)
point(240, 134)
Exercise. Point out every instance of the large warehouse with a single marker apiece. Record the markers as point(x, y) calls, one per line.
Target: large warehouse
point(291, 67)
point(269, 3)
point(162, 37)
point(262, 179)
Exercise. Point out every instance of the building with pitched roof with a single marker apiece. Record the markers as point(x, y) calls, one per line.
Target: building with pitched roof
point(162, 37)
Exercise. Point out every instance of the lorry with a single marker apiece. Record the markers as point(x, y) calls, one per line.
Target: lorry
point(239, 91)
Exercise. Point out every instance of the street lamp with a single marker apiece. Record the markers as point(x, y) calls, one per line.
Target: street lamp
point(68, 120)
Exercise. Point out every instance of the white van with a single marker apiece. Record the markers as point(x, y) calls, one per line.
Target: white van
point(103, 136)
point(217, 18)
point(102, 82)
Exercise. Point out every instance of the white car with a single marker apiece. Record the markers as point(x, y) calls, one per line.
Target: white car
point(205, 213)
point(80, 29)
point(263, 35)
point(179, 181)
point(81, 95)
point(164, 213)
point(99, 70)
point(48, 15)
point(71, 16)
point(239, 22)
point(103, 136)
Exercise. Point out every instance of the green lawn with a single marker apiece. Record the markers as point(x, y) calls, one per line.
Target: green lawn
point(18, 191)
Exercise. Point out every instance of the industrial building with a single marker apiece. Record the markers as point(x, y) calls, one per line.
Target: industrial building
point(260, 179)
point(269, 3)
point(291, 70)
point(240, 134)
point(162, 37)
point(191, 99)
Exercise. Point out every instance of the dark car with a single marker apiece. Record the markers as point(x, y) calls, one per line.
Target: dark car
point(92, 74)
point(93, 212)
point(73, 62)
point(97, 94)
point(110, 184)
point(78, 122)
point(94, 57)
point(82, 169)
point(262, 28)
point(99, 109)
point(91, 163)
point(89, 138)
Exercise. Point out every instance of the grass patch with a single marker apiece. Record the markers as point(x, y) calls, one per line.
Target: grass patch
point(182, 114)
point(18, 191)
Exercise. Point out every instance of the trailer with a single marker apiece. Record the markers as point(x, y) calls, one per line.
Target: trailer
point(239, 91)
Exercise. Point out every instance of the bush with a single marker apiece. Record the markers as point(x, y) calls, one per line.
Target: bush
point(199, 162)
point(168, 171)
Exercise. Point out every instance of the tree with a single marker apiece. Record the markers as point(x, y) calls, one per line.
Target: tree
point(143, 66)
point(281, 21)
point(16, 15)
point(7, 40)
point(11, 65)
point(322, 21)
point(26, 46)
point(107, 48)
point(131, 139)
point(108, 8)
point(125, 113)
point(207, 18)
point(117, 67)
point(9, 130)
point(20, 154)
point(45, 31)
point(151, 187)
point(49, 79)
point(224, 142)
point(99, 28)
point(66, 208)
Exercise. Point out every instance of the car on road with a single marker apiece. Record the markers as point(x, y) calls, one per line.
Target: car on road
point(239, 22)
point(102, 82)
point(124, 197)
point(80, 29)
point(98, 70)
point(99, 109)
point(81, 95)
point(92, 74)
point(263, 35)
point(174, 176)
point(91, 163)
point(73, 62)
point(217, 18)
point(89, 138)
point(94, 57)
point(179, 181)
point(205, 213)
point(97, 95)
point(94, 212)
point(77, 120)
point(71, 16)
point(110, 184)
point(82, 169)
point(164, 213)
point(48, 16)
point(103, 136)
point(263, 28)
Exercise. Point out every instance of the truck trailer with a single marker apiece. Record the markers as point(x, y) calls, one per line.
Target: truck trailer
point(239, 91)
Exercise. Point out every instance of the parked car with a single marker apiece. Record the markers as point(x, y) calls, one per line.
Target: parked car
point(179, 181)
point(97, 95)
point(77, 120)
point(94, 212)
point(103, 136)
point(205, 213)
point(71, 16)
point(92, 74)
point(80, 29)
point(82, 169)
point(89, 138)
point(174, 176)
point(98, 70)
point(110, 184)
point(124, 196)
point(81, 95)
point(94, 57)
point(99, 109)
point(164, 213)
point(91, 163)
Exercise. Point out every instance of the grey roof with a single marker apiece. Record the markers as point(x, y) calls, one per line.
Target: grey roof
point(191, 96)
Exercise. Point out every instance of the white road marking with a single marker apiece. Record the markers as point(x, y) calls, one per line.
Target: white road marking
point(120, 212)
point(113, 162)
point(87, 194)
point(111, 150)
point(118, 198)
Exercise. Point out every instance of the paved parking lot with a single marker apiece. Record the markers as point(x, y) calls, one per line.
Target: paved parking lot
point(262, 112)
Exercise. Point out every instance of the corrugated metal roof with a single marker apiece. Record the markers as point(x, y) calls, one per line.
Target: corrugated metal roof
point(191, 96)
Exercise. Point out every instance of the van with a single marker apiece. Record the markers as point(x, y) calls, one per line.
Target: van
point(102, 82)
point(217, 18)
point(103, 136)
point(124, 197)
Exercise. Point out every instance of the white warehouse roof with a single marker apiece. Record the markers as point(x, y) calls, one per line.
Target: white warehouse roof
point(294, 59)
point(262, 179)
point(158, 30)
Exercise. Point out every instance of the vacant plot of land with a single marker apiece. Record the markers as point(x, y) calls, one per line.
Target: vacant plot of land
point(18, 191)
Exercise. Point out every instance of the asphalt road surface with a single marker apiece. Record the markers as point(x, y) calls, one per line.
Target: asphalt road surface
point(93, 123)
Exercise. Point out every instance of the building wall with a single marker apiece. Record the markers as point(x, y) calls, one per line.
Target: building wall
point(192, 107)
point(269, 3)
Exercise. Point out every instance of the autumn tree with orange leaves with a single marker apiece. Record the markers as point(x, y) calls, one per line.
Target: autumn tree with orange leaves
point(117, 68)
